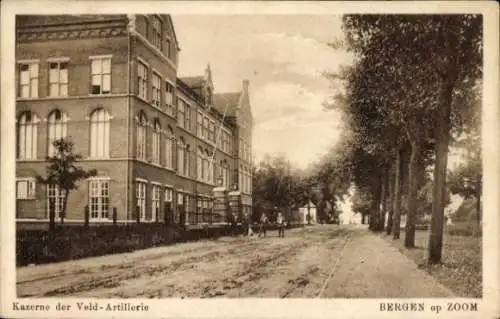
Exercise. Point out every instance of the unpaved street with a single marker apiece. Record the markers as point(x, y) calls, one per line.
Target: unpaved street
point(308, 262)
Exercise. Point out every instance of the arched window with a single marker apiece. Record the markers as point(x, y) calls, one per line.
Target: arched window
point(156, 142)
point(99, 133)
point(57, 125)
point(27, 136)
point(181, 156)
point(169, 147)
point(141, 136)
point(187, 160)
point(199, 164)
point(206, 168)
point(225, 173)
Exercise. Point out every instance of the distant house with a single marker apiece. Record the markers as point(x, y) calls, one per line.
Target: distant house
point(307, 214)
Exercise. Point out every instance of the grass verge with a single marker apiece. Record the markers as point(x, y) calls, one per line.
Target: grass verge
point(461, 267)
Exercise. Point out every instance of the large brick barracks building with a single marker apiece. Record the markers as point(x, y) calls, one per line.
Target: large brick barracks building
point(161, 143)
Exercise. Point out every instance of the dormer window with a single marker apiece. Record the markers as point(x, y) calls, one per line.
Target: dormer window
point(157, 33)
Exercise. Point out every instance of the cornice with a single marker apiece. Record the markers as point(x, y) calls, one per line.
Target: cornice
point(70, 32)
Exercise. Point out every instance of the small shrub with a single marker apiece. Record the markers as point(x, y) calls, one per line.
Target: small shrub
point(464, 229)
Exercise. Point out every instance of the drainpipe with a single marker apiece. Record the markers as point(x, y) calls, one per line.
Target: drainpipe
point(129, 54)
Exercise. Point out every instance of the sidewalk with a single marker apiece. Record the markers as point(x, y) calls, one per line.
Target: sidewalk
point(371, 268)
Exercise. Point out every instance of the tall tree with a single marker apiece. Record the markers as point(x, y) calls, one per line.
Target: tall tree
point(385, 64)
point(412, 60)
point(457, 59)
point(63, 172)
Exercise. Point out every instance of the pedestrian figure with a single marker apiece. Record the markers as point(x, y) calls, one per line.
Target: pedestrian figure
point(250, 231)
point(234, 225)
point(280, 221)
point(263, 224)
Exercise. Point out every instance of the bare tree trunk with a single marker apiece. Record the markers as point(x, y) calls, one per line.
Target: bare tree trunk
point(373, 212)
point(396, 229)
point(65, 205)
point(383, 197)
point(438, 194)
point(412, 195)
point(52, 214)
point(375, 209)
point(478, 208)
point(478, 202)
point(391, 201)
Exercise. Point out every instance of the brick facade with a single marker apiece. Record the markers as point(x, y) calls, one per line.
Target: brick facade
point(126, 41)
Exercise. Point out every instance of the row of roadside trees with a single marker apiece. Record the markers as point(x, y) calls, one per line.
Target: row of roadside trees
point(413, 90)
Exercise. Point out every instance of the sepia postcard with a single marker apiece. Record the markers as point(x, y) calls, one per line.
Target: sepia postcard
point(249, 159)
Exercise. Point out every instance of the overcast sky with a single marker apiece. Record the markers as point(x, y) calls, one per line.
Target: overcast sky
point(283, 56)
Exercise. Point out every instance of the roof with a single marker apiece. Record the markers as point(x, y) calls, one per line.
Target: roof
point(193, 81)
point(226, 100)
point(63, 19)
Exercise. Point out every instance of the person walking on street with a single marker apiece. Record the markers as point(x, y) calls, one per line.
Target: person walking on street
point(280, 220)
point(263, 224)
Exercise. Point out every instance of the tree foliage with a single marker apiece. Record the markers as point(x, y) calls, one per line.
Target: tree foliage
point(276, 183)
point(412, 81)
point(63, 172)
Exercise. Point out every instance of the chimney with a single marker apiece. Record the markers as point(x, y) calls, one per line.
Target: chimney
point(246, 83)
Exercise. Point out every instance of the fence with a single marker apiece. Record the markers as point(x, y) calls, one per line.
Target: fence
point(78, 241)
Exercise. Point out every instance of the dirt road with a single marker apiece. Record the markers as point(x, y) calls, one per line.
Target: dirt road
point(301, 265)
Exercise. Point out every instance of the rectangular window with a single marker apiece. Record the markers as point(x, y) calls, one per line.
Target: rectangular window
point(156, 88)
point(155, 201)
point(212, 131)
point(187, 124)
point(28, 80)
point(199, 127)
point(58, 78)
point(142, 80)
point(180, 112)
point(25, 188)
point(99, 198)
point(157, 33)
point(169, 99)
point(100, 70)
point(55, 195)
point(168, 195)
point(205, 128)
point(141, 199)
